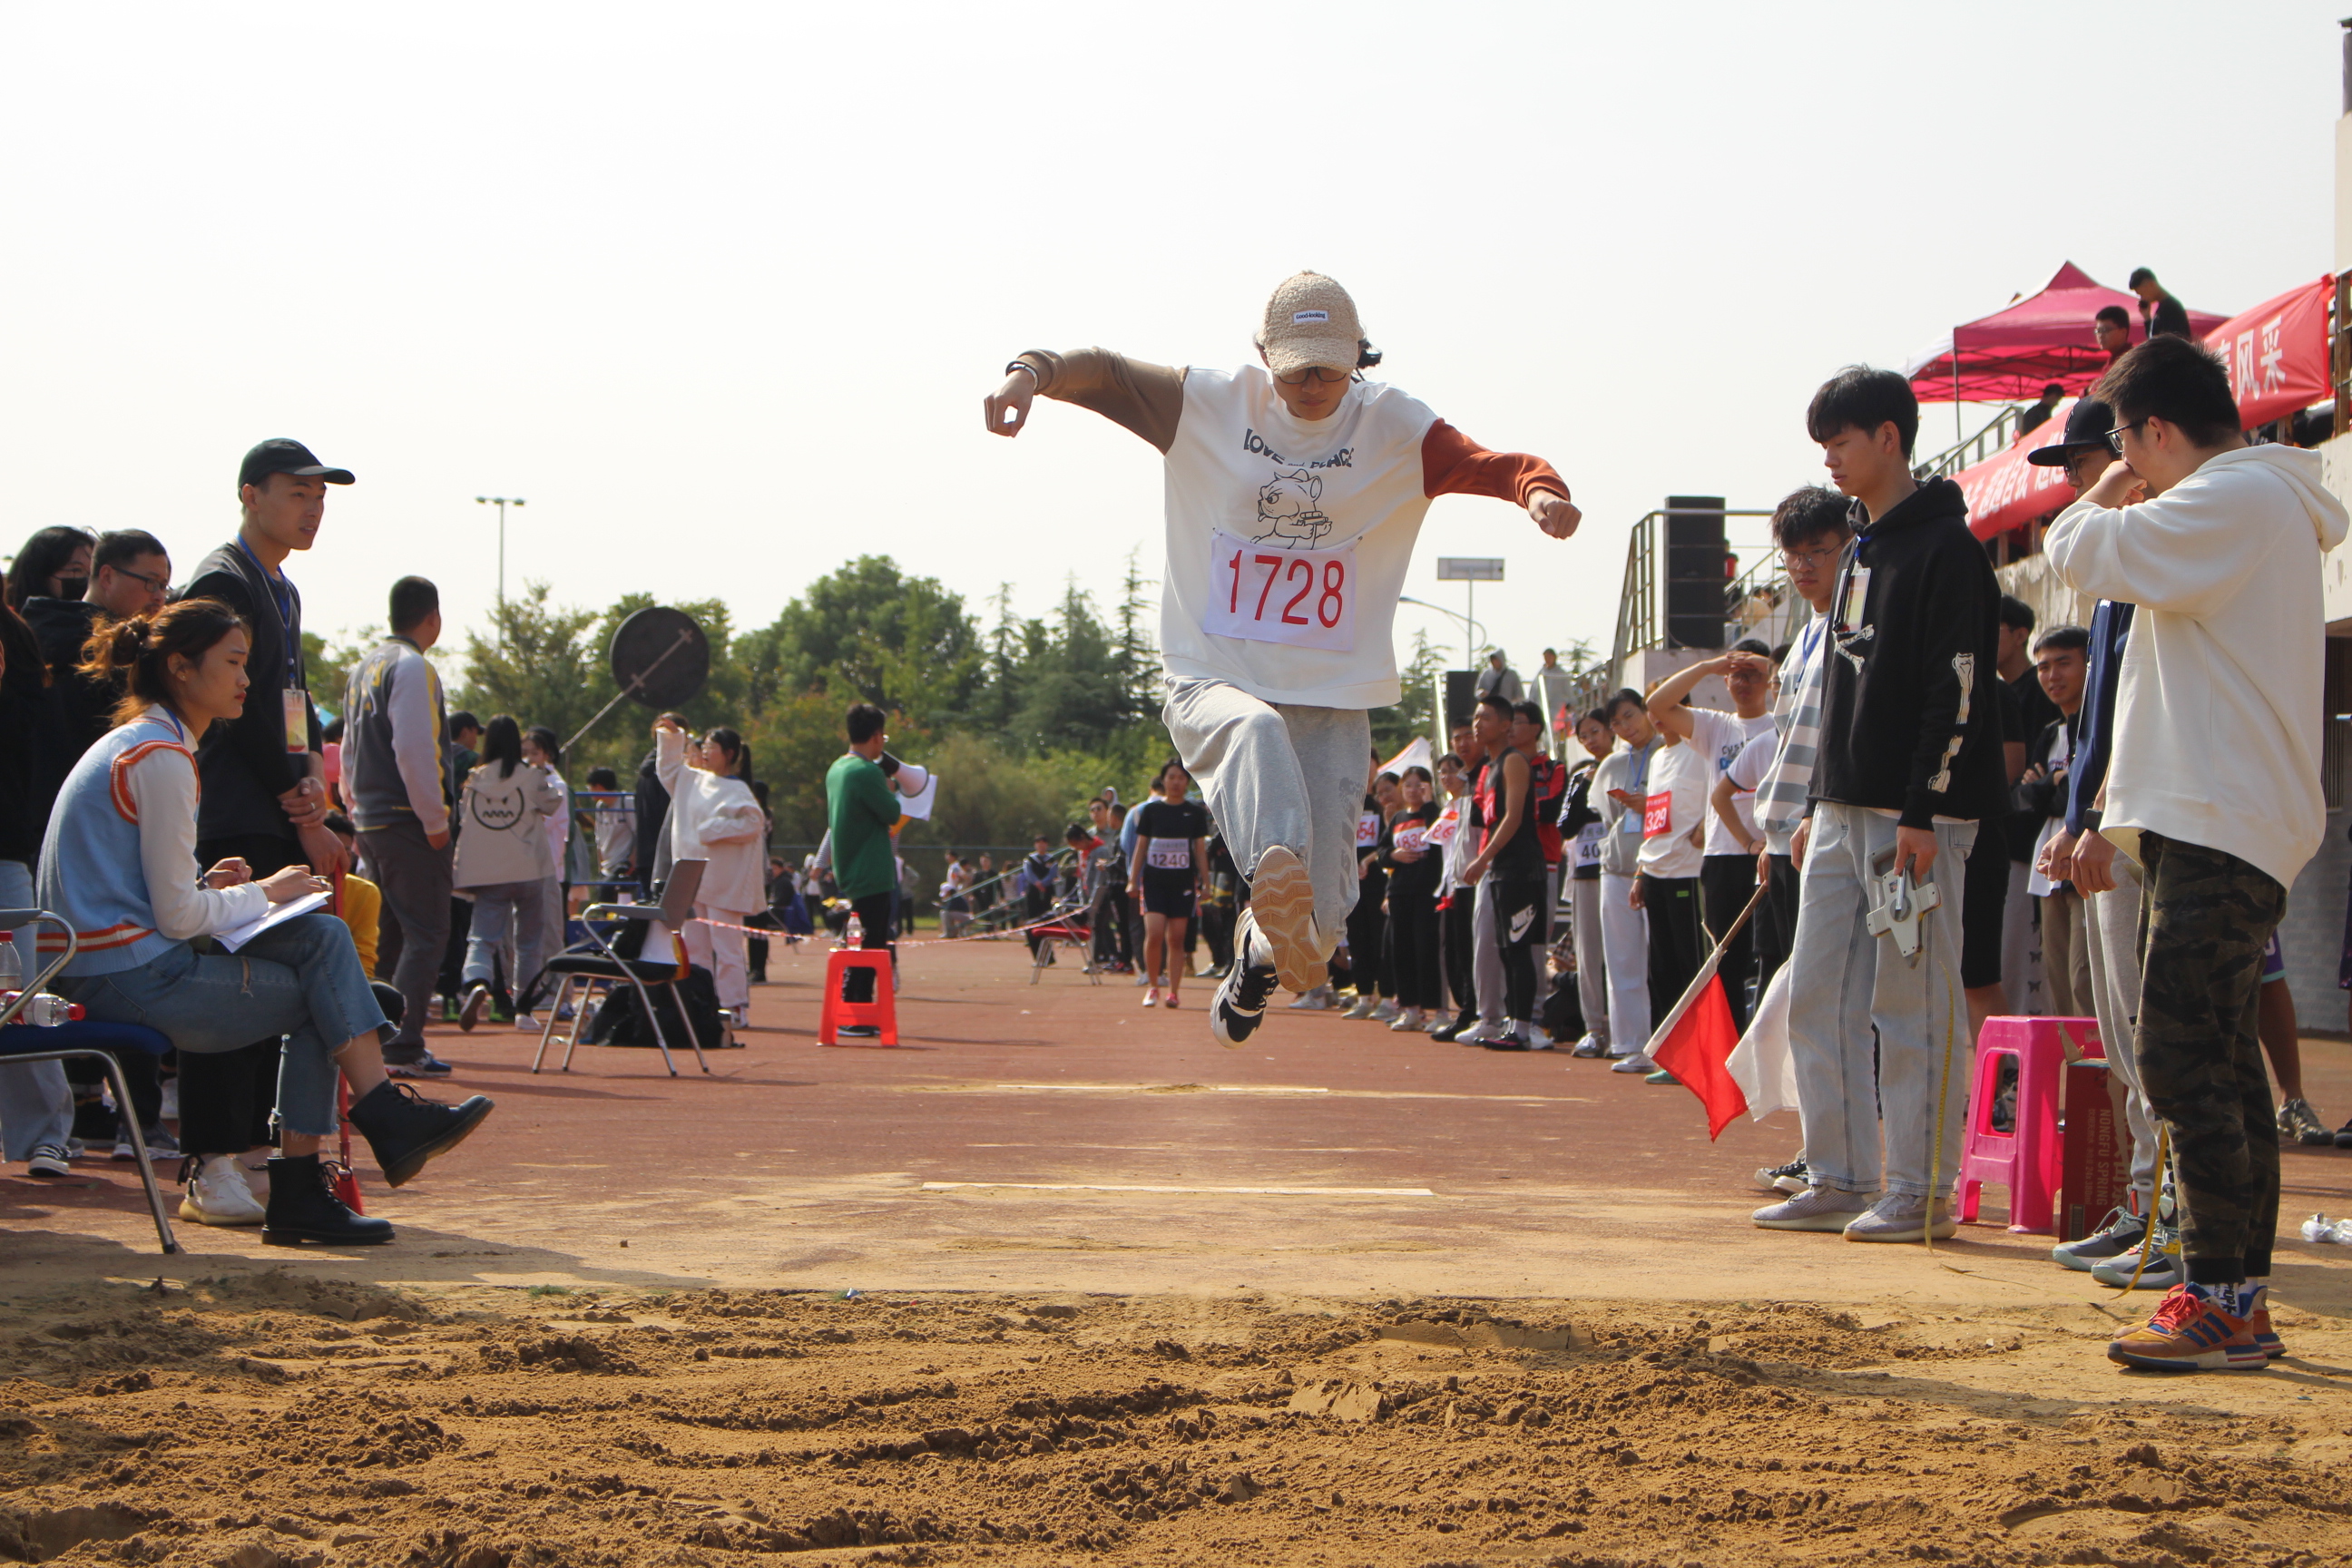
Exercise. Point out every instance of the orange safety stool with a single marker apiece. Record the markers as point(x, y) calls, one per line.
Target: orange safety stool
point(881, 1014)
point(2027, 1159)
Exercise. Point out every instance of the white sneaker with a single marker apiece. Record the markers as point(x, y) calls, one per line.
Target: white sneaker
point(1387, 1012)
point(1363, 1007)
point(1142, 978)
point(1479, 1033)
point(1151, 998)
point(1589, 1047)
point(1318, 1000)
point(1437, 1021)
point(218, 1195)
point(1408, 1021)
point(1899, 1216)
point(1815, 1208)
point(1636, 1062)
point(527, 1021)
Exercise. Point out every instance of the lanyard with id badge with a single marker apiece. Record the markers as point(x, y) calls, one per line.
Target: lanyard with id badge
point(294, 707)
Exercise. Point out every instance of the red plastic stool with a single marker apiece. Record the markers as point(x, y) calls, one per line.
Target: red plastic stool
point(2026, 1159)
point(881, 1014)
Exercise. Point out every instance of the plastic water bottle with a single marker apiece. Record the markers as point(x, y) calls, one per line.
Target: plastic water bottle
point(12, 971)
point(854, 934)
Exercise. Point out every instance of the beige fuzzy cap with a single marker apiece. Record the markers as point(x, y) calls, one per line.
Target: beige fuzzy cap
point(1311, 320)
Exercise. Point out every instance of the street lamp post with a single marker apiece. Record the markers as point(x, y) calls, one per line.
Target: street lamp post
point(1472, 631)
point(501, 502)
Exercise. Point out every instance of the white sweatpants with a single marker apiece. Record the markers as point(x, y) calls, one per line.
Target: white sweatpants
point(1280, 773)
point(721, 952)
point(1592, 956)
point(1625, 944)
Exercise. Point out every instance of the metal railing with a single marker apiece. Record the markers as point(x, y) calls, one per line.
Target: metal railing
point(1974, 449)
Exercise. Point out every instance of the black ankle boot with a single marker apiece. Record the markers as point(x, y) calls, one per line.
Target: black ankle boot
point(303, 1208)
point(404, 1129)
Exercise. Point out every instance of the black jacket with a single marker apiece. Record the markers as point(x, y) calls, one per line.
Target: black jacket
point(2046, 797)
point(652, 817)
point(1908, 717)
point(79, 711)
point(244, 764)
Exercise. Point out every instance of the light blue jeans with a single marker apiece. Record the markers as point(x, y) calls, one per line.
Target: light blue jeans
point(302, 980)
point(36, 1102)
point(1844, 981)
point(499, 907)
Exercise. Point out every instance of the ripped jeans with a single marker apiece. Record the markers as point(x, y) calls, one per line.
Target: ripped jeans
point(302, 980)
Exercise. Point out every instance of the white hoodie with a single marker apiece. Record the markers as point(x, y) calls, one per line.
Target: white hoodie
point(2218, 712)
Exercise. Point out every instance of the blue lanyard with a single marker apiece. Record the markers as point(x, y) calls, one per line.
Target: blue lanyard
point(281, 599)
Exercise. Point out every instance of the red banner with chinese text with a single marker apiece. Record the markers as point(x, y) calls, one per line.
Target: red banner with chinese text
point(2276, 354)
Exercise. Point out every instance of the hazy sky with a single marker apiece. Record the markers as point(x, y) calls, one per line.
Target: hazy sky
point(718, 288)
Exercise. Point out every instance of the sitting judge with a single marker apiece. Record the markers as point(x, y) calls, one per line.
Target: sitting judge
point(119, 863)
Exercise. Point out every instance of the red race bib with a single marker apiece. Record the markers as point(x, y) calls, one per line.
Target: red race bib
point(1658, 816)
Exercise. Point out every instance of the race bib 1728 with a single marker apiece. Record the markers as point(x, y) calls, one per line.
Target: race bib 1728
point(1300, 598)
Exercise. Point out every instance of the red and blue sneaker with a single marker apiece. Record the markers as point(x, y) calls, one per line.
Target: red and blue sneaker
point(2191, 1331)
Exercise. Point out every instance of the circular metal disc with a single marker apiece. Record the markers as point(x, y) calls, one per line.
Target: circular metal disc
point(664, 652)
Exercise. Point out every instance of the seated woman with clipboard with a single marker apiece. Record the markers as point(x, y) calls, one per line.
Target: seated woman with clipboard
point(119, 863)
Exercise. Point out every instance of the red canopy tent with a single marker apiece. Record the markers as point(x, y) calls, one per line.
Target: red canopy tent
point(2017, 350)
point(2276, 354)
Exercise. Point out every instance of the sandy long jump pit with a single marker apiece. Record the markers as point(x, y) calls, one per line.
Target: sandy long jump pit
point(1063, 1282)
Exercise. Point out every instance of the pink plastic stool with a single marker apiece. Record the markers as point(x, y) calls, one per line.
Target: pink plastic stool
point(2027, 1159)
point(880, 1013)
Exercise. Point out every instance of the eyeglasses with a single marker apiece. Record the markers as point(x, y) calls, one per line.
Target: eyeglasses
point(153, 584)
point(2115, 436)
point(1792, 559)
point(1314, 371)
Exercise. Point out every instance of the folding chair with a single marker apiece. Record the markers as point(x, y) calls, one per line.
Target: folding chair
point(1064, 925)
point(64, 1042)
point(594, 967)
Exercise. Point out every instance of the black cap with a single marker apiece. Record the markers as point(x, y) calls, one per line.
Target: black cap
point(284, 457)
point(2087, 424)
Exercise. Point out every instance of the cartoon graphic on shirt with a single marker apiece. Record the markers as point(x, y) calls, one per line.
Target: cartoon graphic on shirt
point(1286, 509)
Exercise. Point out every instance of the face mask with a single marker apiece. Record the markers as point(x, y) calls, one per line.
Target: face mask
point(72, 587)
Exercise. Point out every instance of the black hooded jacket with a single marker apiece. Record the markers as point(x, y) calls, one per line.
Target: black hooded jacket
point(1909, 719)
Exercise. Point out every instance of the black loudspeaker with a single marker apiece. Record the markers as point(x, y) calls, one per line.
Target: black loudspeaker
point(1461, 697)
point(1694, 576)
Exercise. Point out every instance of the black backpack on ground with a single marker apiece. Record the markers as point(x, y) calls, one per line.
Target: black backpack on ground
point(621, 1020)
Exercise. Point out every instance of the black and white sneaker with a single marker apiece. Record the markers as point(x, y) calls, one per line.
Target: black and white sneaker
point(1789, 1178)
point(1239, 1004)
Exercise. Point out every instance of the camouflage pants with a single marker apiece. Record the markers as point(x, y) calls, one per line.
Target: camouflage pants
point(2205, 918)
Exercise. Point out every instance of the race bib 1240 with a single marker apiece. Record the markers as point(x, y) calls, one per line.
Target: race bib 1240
point(1170, 855)
point(1300, 598)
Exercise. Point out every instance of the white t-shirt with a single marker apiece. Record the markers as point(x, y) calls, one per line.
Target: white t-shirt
point(1339, 491)
point(1680, 777)
point(1747, 775)
point(1720, 737)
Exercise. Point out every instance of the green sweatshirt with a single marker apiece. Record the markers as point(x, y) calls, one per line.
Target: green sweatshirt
point(861, 808)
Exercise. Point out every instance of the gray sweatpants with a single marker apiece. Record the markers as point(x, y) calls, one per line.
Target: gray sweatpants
point(2112, 934)
point(1486, 956)
point(1280, 773)
point(413, 934)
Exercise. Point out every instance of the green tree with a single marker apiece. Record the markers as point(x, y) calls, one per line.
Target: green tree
point(1394, 727)
point(541, 663)
point(327, 667)
point(896, 641)
point(1071, 692)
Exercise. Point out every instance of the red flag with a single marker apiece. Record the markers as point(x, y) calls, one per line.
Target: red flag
point(1696, 1049)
